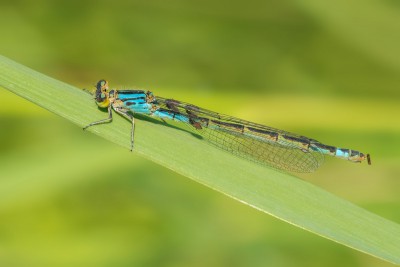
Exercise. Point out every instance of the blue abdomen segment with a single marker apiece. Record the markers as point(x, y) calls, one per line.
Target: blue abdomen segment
point(170, 115)
point(342, 153)
point(352, 155)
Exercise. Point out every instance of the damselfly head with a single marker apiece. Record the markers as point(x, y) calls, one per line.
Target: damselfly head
point(102, 94)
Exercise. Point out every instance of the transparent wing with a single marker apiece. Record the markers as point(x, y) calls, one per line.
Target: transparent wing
point(262, 144)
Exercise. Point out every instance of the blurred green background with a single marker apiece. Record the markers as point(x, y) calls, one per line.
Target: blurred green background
point(330, 71)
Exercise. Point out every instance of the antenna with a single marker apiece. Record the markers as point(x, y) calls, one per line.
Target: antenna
point(368, 159)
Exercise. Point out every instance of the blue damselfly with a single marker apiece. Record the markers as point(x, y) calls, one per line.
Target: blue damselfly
point(262, 144)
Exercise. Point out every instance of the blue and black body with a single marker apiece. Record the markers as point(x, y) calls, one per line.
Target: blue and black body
point(266, 145)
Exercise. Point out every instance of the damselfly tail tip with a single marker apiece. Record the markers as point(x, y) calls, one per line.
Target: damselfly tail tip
point(369, 159)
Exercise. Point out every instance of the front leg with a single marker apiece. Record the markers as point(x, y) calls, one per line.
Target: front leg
point(109, 119)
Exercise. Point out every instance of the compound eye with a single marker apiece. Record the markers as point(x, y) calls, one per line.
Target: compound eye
point(102, 85)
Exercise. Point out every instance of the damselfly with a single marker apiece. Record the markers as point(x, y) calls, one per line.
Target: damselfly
point(262, 144)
